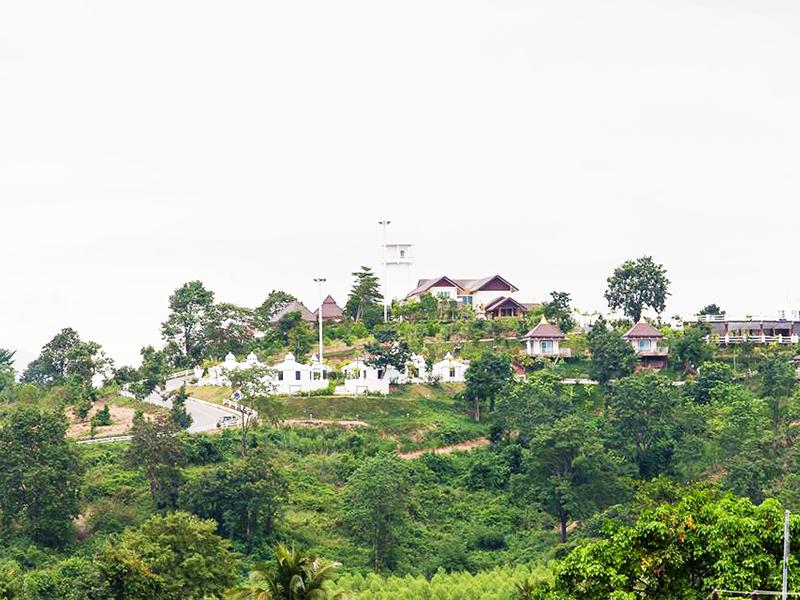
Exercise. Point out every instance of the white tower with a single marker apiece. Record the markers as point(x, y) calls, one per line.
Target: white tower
point(397, 262)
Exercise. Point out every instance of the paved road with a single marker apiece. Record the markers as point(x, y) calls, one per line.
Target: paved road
point(205, 415)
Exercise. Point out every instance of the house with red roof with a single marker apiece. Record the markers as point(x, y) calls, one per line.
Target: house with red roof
point(489, 296)
point(545, 340)
point(646, 341)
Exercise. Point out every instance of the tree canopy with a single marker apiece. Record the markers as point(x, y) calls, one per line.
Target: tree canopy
point(40, 476)
point(365, 300)
point(636, 285)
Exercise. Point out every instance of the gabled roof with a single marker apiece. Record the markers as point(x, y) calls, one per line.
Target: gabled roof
point(423, 285)
point(642, 329)
point(475, 285)
point(294, 306)
point(468, 285)
point(330, 310)
point(545, 331)
point(499, 302)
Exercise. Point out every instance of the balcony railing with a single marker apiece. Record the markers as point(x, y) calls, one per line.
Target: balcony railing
point(726, 340)
point(653, 351)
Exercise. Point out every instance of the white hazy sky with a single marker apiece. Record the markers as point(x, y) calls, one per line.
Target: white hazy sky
point(253, 145)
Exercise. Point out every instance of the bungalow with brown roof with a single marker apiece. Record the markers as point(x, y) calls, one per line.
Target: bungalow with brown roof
point(545, 340)
point(646, 341)
point(294, 306)
point(331, 312)
point(505, 306)
point(489, 296)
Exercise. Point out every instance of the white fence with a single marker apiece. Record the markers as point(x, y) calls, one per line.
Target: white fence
point(106, 440)
point(240, 408)
point(753, 339)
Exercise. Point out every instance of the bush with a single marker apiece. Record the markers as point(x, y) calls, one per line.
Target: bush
point(487, 471)
point(102, 418)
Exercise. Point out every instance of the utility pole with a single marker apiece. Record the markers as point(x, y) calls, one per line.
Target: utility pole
point(384, 224)
point(320, 281)
point(785, 588)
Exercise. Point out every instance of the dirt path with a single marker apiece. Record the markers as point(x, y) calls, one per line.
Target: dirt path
point(462, 447)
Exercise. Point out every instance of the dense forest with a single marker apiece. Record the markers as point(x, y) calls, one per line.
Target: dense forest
point(511, 486)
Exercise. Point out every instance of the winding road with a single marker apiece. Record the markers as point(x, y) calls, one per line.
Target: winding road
point(205, 415)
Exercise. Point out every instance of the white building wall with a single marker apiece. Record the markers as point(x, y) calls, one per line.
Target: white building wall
point(450, 292)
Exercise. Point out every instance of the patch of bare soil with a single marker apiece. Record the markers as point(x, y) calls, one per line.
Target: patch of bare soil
point(121, 422)
point(462, 447)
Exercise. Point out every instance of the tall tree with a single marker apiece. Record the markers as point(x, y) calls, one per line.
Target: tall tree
point(230, 328)
point(612, 357)
point(7, 357)
point(642, 418)
point(156, 449)
point(486, 378)
point(40, 476)
point(377, 504)
point(559, 311)
point(711, 309)
point(64, 356)
point(569, 470)
point(778, 384)
point(683, 548)
point(177, 413)
point(690, 350)
point(152, 373)
point(365, 296)
point(176, 556)
point(186, 327)
point(244, 497)
point(638, 284)
point(709, 376)
point(253, 390)
point(388, 350)
point(7, 373)
point(276, 301)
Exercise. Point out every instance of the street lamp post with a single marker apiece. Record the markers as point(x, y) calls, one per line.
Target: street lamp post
point(384, 224)
point(320, 281)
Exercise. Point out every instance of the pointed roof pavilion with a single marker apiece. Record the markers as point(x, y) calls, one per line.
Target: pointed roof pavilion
point(545, 331)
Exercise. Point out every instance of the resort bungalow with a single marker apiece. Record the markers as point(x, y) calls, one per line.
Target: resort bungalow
point(545, 340)
point(449, 370)
point(506, 306)
point(294, 306)
point(331, 312)
point(646, 340)
point(490, 292)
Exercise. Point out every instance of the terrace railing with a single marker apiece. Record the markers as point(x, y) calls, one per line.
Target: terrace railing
point(726, 340)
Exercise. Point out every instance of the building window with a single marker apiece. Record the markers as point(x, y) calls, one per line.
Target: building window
point(644, 345)
point(402, 253)
point(452, 372)
point(547, 346)
point(280, 375)
point(467, 300)
point(297, 375)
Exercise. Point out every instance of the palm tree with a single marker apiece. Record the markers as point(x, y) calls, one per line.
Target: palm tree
point(298, 576)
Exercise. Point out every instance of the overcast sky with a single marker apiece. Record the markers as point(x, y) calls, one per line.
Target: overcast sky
point(254, 145)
